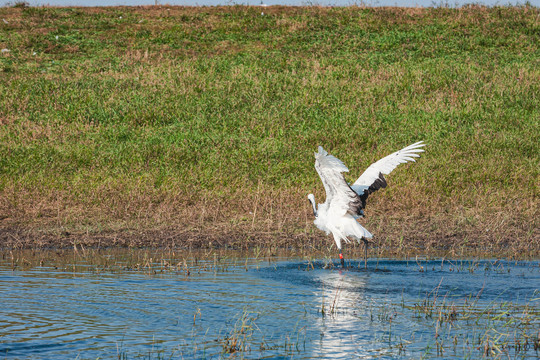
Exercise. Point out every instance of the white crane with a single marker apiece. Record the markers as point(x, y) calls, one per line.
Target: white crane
point(345, 203)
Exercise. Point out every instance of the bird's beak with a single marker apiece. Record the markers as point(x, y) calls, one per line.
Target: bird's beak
point(312, 207)
point(314, 212)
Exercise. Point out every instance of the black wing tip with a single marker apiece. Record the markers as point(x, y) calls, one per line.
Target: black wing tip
point(379, 183)
point(356, 206)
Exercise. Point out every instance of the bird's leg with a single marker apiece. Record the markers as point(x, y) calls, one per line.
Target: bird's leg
point(365, 252)
point(341, 258)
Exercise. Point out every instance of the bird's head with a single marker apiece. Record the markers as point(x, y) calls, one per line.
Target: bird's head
point(311, 199)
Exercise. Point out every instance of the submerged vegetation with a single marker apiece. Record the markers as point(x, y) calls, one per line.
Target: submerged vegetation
point(230, 304)
point(180, 125)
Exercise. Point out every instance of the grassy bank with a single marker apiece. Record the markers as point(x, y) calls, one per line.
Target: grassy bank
point(201, 123)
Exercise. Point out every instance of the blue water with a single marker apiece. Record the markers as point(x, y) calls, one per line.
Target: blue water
point(272, 309)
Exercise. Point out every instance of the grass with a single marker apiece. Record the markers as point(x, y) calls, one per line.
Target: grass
point(200, 121)
point(499, 329)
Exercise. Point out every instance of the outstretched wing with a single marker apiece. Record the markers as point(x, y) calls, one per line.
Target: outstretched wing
point(372, 179)
point(340, 198)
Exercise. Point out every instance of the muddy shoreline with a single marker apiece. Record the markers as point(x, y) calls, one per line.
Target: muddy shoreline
point(420, 244)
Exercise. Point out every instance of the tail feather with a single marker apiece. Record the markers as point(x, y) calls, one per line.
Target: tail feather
point(363, 233)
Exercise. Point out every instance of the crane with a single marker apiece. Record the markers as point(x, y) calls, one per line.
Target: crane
point(345, 203)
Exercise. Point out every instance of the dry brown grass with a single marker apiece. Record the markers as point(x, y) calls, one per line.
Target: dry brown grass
point(183, 125)
point(405, 224)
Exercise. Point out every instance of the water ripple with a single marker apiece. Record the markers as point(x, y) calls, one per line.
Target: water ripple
point(288, 308)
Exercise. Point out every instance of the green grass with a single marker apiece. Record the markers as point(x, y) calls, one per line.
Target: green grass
point(171, 116)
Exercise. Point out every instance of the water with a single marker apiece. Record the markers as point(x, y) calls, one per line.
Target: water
point(277, 308)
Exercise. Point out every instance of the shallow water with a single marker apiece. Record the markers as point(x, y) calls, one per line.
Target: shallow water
point(277, 308)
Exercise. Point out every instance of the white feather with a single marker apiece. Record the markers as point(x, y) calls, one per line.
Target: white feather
point(338, 214)
point(386, 165)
